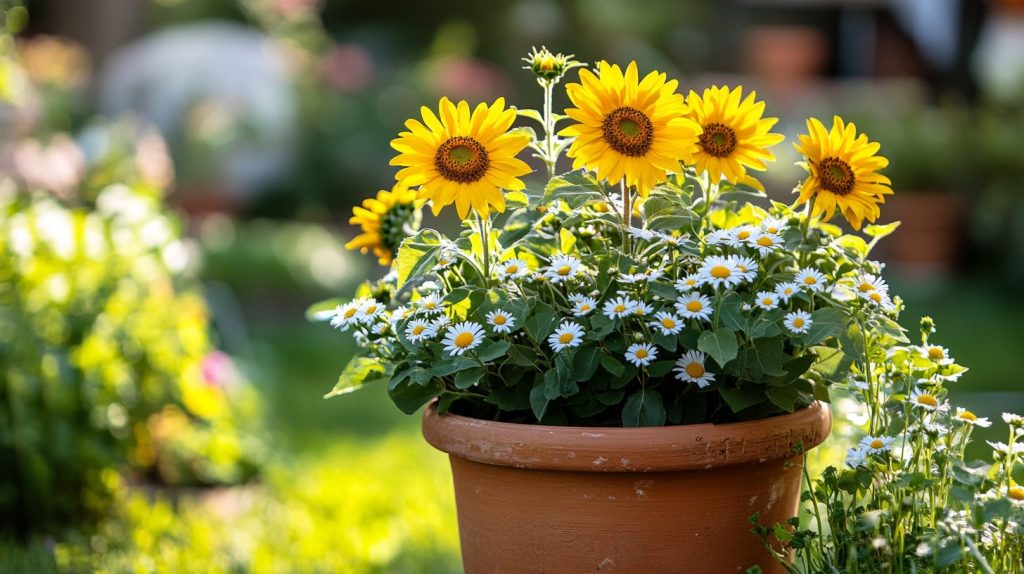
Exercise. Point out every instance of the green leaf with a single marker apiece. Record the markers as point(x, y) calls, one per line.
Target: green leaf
point(522, 356)
point(585, 363)
point(720, 344)
point(740, 398)
point(576, 189)
point(613, 366)
point(417, 254)
point(410, 397)
point(531, 114)
point(539, 401)
point(445, 368)
point(783, 397)
point(660, 368)
point(469, 377)
point(825, 323)
point(880, 231)
point(323, 310)
point(492, 350)
point(643, 408)
point(832, 363)
point(730, 310)
point(542, 322)
point(358, 372)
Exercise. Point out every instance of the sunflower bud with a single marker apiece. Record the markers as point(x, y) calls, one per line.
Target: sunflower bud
point(547, 66)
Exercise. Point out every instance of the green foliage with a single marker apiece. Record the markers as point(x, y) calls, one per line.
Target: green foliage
point(105, 359)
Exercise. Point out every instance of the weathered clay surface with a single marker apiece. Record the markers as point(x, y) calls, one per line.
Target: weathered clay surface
point(647, 501)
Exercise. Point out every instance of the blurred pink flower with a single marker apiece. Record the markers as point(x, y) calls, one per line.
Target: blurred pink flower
point(58, 166)
point(348, 67)
point(219, 370)
point(466, 78)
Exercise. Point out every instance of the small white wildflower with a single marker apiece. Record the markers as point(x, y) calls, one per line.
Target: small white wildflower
point(463, 337)
point(667, 323)
point(798, 321)
point(690, 368)
point(810, 279)
point(641, 354)
point(567, 335)
point(767, 300)
point(619, 307)
point(694, 306)
point(500, 321)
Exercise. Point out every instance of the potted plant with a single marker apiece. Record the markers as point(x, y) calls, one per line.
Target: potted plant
point(630, 362)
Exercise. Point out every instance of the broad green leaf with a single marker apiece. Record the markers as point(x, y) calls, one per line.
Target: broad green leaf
point(410, 397)
point(531, 114)
point(469, 377)
point(880, 231)
point(720, 344)
point(567, 239)
point(576, 189)
point(542, 322)
point(643, 408)
point(452, 366)
point(358, 372)
point(492, 350)
point(825, 323)
point(742, 397)
point(783, 397)
point(539, 401)
point(417, 254)
point(610, 364)
point(522, 355)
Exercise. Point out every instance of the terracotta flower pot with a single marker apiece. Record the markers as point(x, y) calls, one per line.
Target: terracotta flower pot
point(671, 499)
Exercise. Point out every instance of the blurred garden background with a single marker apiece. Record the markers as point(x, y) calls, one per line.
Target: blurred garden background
point(176, 178)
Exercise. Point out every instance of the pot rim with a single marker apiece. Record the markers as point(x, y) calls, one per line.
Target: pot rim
point(617, 449)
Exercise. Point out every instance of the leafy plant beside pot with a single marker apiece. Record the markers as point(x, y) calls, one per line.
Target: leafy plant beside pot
point(641, 289)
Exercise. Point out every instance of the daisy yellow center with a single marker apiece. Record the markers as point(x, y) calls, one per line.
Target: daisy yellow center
point(765, 241)
point(876, 297)
point(500, 320)
point(695, 370)
point(349, 313)
point(620, 308)
point(798, 322)
point(927, 399)
point(585, 307)
point(371, 309)
point(865, 287)
point(767, 301)
point(691, 282)
point(877, 443)
point(641, 353)
point(430, 305)
point(836, 176)
point(968, 416)
point(461, 159)
point(418, 329)
point(718, 140)
point(512, 269)
point(566, 338)
point(787, 291)
point(464, 339)
point(668, 323)
point(694, 306)
point(1015, 492)
point(743, 235)
point(628, 131)
point(720, 272)
point(810, 280)
point(772, 229)
point(564, 270)
point(935, 353)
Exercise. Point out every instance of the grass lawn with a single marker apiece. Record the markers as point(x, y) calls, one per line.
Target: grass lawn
point(353, 488)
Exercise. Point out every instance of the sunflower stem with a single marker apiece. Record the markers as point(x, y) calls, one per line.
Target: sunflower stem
point(549, 129)
point(627, 214)
point(483, 228)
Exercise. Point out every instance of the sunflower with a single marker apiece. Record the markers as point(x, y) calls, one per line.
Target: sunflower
point(628, 128)
point(735, 136)
point(842, 172)
point(385, 221)
point(462, 158)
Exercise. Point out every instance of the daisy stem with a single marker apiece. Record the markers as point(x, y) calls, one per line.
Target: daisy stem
point(627, 214)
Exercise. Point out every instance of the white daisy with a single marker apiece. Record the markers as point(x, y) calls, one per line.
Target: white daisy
point(583, 306)
point(971, 418)
point(1004, 449)
point(346, 315)
point(924, 400)
point(747, 267)
point(463, 337)
point(810, 279)
point(445, 260)
point(630, 278)
point(500, 321)
point(641, 354)
point(798, 321)
point(739, 236)
point(766, 243)
point(644, 234)
point(672, 240)
point(868, 283)
point(565, 336)
point(417, 330)
point(786, 290)
point(562, 268)
point(690, 367)
point(430, 304)
point(1013, 420)
point(718, 237)
point(400, 313)
point(936, 354)
point(512, 269)
point(369, 310)
point(694, 306)
point(667, 323)
point(773, 225)
point(719, 271)
point(642, 309)
point(381, 328)
point(619, 307)
point(688, 283)
point(876, 443)
point(878, 298)
point(767, 300)
point(856, 456)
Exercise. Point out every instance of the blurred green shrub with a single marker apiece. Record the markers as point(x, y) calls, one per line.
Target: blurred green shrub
point(105, 359)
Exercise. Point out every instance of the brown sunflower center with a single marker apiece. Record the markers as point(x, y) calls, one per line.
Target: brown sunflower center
point(461, 159)
point(628, 131)
point(718, 140)
point(836, 176)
